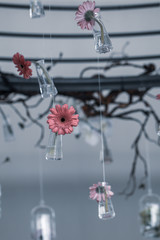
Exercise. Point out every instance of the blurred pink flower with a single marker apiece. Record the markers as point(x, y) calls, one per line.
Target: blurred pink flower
point(22, 65)
point(62, 120)
point(97, 191)
point(85, 15)
point(158, 96)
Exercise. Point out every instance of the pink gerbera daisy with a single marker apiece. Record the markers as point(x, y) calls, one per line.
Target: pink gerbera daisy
point(98, 191)
point(85, 15)
point(62, 119)
point(22, 65)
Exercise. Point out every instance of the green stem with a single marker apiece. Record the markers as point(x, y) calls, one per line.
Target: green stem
point(45, 72)
point(106, 202)
point(101, 27)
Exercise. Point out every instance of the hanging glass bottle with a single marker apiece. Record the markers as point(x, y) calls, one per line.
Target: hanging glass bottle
point(43, 226)
point(36, 9)
point(101, 38)
point(8, 130)
point(149, 214)
point(105, 207)
point(47, 87)
point(54, 147)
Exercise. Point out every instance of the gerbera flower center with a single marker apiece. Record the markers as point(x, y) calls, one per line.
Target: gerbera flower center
point(89, 15)
point(62, 119)
point(21, 66)
point(100, 189)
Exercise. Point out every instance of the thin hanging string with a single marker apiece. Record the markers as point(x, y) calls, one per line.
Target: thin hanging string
point(148, 166)
point(44, 47)
point(101, 128)
point(50, 32)
point(51, 51)
point(41, 186)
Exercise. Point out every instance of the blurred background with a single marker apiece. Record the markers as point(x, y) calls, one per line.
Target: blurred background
point(67, 182)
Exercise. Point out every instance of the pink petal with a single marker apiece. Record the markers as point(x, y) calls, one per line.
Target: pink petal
point(75, 116)
point(55, 129)
point(53, 110)
point(70, 129)
point(74, 122)
point(79, 18)
point(65, 107)
point(98, 197)
point(82, 24)
point(66, 130)
point(96, 10)
point(92, 5)
point(158, 96)
point(61, 131)
point(81, 9)
point(58, 108)
point(71, 110)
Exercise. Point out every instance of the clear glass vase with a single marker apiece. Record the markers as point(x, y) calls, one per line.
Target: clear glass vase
point(102, 40)
point(36, 9)
point(149, 215)
point(54, 147)
point(46, 85)
point(43, 225)
point(8, 130)
point(105, 207)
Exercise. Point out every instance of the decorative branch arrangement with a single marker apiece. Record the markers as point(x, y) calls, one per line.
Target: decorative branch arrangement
point(87, 17)
point(90, 108)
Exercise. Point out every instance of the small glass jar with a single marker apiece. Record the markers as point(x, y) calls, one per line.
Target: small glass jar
point(102, 40)
point(36, 9)
point(46, 85)
point(54, 147)
point(43, 226)
point(105, 207)
point(149, 215)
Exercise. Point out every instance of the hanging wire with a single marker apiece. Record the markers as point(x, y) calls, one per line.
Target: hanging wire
point(101, 129)
point(41, 180)
point(149, 167)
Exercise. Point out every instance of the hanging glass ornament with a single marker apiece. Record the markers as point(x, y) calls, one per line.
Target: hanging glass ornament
point(149, 214)
point(43, 225)
point(8, 130)
point(102, 193)
point(46, 85)
point(61, 121)
point(101, 38)
point(88, 17)
point(36, 9)
point(54, 147)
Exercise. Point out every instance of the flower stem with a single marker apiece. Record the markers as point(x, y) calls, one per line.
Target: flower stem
point(101, 27)
point(45, 72)
point(106, 202)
